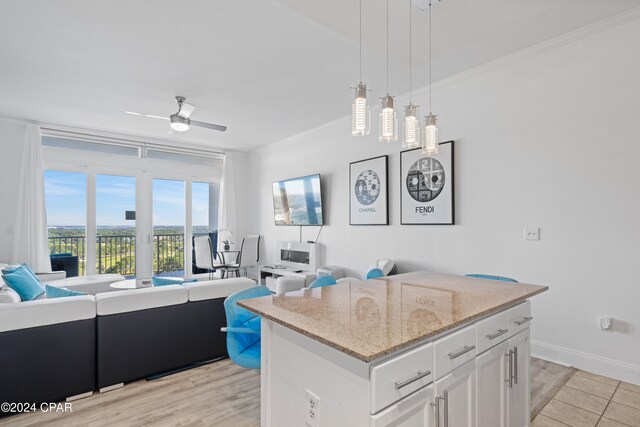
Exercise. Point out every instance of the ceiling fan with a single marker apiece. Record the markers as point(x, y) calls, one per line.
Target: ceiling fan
point(180, 121)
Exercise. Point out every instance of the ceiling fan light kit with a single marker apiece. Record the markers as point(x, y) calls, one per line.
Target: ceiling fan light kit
point(179, 124)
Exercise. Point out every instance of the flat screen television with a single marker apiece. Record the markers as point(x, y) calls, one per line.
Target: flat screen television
point(298, 201)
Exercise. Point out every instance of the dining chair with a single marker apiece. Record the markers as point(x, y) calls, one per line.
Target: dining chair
point(491, 277)
point(243, 328)
point(248, 256)
point(204, 256)
point(322, 282)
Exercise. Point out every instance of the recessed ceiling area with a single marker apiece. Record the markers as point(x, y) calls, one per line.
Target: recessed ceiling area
point(266, 69)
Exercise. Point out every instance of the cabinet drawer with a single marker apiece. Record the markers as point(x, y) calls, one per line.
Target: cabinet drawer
point(454, 350)
point(414, 410)
point(492, 331)
point(396, 378)
point(519, 318)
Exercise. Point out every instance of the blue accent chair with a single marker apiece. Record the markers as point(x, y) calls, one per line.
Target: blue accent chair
point(322, 281)
point(490, 277)
point(374, 273)
point(243, 328)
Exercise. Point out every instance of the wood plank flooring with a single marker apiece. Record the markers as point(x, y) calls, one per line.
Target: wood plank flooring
point(546, 380)
point(217, 394)
point(223, 394)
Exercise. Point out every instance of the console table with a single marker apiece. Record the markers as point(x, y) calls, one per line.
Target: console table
point(269, 274)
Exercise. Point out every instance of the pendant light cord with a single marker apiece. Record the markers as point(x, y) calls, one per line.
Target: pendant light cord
point(360, 29)
point(387, 46)
point(430, 34)
point(410, 53)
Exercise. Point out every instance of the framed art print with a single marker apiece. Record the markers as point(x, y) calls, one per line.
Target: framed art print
point(426, 186)
point(369, 192)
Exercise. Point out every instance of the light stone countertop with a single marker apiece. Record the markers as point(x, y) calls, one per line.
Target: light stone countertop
point(372, 318)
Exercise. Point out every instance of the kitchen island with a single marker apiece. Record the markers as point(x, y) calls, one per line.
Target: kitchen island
point(415, 349)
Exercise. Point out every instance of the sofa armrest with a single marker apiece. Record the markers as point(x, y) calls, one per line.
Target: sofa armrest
point(42, 312)
point(47, 277)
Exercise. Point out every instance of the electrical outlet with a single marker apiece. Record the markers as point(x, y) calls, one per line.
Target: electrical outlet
point(313, 410)
point(531, 233)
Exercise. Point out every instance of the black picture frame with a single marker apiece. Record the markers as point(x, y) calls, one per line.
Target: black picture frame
point(363, 210)
point(429, 211)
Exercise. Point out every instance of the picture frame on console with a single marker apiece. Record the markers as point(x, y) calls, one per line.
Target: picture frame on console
point(427, 187)
point(369, 191)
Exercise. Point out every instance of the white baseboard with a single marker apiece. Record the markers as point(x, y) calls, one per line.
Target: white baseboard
point(587, 362)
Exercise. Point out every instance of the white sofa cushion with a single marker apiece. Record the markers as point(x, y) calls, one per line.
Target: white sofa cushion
point(140, 299)
point(8, 295)
point(30, 314)
point(211, 289)
point(92, 284)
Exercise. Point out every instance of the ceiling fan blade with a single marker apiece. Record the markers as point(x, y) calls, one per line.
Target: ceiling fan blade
point(186, 110)
point(209, 125)
point(147, 115)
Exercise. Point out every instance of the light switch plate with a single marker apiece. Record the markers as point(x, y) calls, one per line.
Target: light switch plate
point(532, 233)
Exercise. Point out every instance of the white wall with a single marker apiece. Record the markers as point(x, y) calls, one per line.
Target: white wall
point(548, 139)
point(11, 140)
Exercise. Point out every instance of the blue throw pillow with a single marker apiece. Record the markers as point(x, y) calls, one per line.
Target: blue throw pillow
point(163, 281)
point(20, 267)
point(24, 283)
point(55, 292)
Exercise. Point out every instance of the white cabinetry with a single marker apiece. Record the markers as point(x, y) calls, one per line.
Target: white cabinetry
point(455, 397)
point(491, 394)
point(518, 391)
point(413, 411)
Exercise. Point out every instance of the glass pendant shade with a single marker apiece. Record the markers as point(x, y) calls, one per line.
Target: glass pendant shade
point(388, 120)
point(430, 146)
point(360, 112)
point(412, 127)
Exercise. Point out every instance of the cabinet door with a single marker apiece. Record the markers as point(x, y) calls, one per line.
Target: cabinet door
point(491, 387)
point(455, 395)
point(519, 393)
point(412, 411)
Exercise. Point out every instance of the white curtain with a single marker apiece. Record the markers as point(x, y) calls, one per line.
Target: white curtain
point(30, 243)
point(227, 226)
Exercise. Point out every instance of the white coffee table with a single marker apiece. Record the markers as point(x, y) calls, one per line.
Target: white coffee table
point(132, 284)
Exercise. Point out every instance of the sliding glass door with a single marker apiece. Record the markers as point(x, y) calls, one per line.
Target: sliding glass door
point(169, 215)
point(66, 204)
point(116, 225)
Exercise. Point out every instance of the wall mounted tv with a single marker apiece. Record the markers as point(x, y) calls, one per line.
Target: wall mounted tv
point(298, 201)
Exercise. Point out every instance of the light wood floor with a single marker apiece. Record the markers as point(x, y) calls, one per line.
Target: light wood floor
point(217, 394)
point(223, 394)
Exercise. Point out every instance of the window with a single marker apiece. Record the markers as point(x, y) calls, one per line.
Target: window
point(66, 204)
point(124, 213)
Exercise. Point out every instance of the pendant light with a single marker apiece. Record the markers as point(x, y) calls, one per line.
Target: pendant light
point(360, 109)
point(430, 146)
point(412, 128)
point(388, 117)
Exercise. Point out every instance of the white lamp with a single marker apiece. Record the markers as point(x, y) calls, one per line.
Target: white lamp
point(388, 120)
point(360, 111)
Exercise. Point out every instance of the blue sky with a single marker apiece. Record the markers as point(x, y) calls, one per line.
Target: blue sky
point(66, 200)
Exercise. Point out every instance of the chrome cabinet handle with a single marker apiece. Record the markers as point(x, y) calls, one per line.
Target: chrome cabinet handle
point(463, 350)
point(497, 333)
point(509, 379)
point(421, 374)
point(515, 365)
point(436, 407)
point(446, 408)
point(524, 320)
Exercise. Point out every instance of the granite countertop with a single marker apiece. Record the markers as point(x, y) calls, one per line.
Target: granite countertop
point(372, 318)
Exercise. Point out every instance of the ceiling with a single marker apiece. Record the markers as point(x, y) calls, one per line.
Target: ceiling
point(267, 69)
